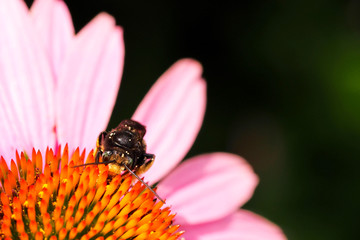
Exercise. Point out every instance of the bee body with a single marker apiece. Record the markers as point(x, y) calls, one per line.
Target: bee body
point(123, 149)
point(124, 145)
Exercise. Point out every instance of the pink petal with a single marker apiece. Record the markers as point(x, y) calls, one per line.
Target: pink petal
point(173, 111)
point(89, 82)
point(53, 23)
point(242, 225)
point(26, 84)
point(208, 187)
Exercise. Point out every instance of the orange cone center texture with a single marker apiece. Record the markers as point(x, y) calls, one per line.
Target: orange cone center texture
point(50, 199)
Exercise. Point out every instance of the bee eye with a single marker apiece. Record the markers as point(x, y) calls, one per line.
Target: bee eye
point(107, 154)
point(129, 161)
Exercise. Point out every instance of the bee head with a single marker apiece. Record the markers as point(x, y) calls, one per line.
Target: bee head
point(119, 158)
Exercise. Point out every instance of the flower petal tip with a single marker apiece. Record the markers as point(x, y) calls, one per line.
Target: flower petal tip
point(190, 62)
point(105, 17)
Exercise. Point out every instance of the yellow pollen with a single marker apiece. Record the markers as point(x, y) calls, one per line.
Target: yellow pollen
point(41, 194)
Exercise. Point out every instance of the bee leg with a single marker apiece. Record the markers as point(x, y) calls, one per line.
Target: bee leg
point(149, 155)
point(97, 156)
point(98, 151)
point(100, 139)
point(147, 164)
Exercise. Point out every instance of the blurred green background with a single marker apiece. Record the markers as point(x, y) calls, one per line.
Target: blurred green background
point(283, 92)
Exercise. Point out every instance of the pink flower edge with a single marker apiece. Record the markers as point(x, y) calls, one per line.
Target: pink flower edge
point(43, 111)
point(90, 78)
point(173, 111)
point(26, 84)
point(208, 187)
point(243, 224)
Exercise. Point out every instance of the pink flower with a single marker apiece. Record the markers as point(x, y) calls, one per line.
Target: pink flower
point(57, 87)
point(44, 69)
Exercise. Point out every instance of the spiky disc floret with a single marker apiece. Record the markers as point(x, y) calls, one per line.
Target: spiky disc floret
point(56, 201)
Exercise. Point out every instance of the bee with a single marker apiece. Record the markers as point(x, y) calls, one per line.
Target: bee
point(123, 149)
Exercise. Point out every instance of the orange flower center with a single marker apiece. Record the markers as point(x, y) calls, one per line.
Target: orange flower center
point(58, 201)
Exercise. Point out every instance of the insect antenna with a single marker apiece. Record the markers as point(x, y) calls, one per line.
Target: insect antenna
point(94, 163)
point(148, 187)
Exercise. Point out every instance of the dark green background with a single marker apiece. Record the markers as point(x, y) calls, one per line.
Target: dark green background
point(283, 91)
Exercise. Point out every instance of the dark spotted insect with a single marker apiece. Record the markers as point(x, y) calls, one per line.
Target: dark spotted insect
point(123, 149)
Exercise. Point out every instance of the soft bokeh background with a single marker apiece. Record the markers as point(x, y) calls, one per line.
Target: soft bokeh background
point(283, 91)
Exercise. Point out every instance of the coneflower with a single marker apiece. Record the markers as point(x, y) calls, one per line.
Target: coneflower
point(58, 87)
